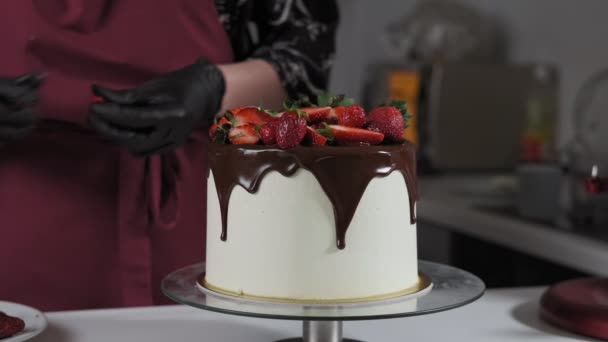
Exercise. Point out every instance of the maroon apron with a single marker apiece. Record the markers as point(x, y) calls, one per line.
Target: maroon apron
point(85, 224)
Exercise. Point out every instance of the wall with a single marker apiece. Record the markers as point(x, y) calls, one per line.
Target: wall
point(568, 33)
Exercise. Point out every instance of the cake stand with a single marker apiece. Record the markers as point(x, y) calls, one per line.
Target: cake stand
point(451, 288)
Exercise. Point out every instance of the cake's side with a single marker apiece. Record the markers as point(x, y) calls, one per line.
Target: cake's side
point(282, 241)
point(312, 224)
point(342, 172)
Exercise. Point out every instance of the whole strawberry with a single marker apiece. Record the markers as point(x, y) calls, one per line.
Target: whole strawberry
point(291, 129)
point(390, 120)
point(351, 116)
point(268, 132)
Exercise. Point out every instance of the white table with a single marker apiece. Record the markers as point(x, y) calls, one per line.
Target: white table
point(442, 205)
point(501, 315)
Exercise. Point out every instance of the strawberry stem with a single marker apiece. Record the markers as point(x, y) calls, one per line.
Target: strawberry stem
point(230, 116)
point(293, 104)
point(324, 100)
point(328, 100)
point(402, 107)
point(326, 132)
point(344, 101)
point(272, 112)
point(221, 135)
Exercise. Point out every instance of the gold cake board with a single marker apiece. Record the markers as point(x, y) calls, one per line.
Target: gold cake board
point(424, 283)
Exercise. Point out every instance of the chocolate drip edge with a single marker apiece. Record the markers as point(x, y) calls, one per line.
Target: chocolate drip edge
point(247, 165)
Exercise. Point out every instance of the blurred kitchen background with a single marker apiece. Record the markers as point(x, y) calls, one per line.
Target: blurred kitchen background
point(508, 100)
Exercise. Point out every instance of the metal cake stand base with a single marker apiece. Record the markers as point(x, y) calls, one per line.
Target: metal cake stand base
point(321, 331)
point(451, 288)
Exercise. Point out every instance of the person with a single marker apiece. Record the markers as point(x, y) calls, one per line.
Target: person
point(103, 109)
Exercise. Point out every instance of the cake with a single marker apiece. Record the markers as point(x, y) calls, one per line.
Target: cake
point(311, 223)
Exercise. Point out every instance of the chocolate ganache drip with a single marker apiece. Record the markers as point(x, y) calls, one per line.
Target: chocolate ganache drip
point(342, 171)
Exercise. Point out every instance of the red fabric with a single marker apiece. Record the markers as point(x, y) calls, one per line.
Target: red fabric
point(84, 224)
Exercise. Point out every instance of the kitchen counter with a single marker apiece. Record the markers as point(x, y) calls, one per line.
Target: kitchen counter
point(453, 203)
point(501, 315)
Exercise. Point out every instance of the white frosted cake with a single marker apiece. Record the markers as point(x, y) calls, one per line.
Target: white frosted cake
point(319, 224)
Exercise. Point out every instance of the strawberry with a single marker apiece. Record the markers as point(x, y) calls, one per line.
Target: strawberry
point(268, 132)
point(390, 120)
point(353, 116)
point(10, 326)
point(224, 121)
point(244, 135)
point(317, 114)
point(314, 138)
point(327, 109)
point(238, 109)
point(213, 131)
point(344, 135)
point(338, 112)
point(248, 115)
point(291, 129)
point(218, 132)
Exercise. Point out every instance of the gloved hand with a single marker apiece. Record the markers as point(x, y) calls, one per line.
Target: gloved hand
point(159, 115)
point(16, 96)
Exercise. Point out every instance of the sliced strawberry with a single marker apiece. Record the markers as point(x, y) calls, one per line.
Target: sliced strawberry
point(314, 138)
point(218, 132)
point(268, 132)
point(224, 121)
point(317, 114)
point(291, 129)
point(213, 131)
point(338, 112)
point(248, 115)
point(244, 135)
point(343, 135)
point(352, 116)
point(238, 109)
point(390, 120)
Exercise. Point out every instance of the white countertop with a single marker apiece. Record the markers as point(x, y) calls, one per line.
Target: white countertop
point(441, 204)
point(501, 315)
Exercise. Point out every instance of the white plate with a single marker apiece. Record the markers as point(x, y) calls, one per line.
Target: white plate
point(35, 321)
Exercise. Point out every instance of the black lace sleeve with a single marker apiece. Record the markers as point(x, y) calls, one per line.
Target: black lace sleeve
point(297, 37)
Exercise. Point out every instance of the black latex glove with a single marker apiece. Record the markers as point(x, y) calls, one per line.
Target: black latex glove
point(159, 115)
point(16, 96)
